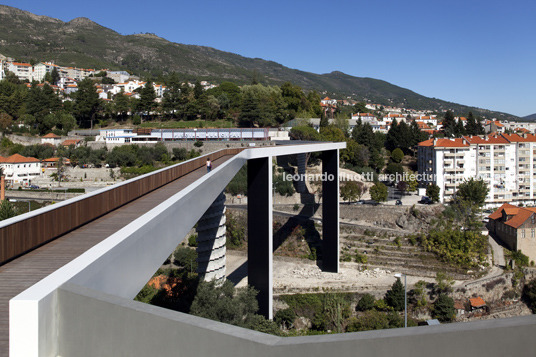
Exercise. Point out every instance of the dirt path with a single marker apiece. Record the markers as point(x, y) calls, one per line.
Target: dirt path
point(293, 275)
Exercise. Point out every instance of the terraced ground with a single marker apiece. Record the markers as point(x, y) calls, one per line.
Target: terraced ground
point(385, 253)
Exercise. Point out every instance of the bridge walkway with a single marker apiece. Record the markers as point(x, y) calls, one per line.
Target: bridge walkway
point(23, 272)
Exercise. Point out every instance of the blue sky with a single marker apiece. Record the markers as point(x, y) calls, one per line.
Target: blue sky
point(474, 52)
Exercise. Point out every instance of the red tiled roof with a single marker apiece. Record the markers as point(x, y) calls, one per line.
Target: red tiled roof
point(522, 215)
point(491, 139)
point(519, 215)
point(498, 213)
point(70, 142)
point(477, 302)
point(21, 64)
point(448, 143)
point(17, 158)
point(51, 135)
point(496, 122)
point(515, 138)
point(422, 125)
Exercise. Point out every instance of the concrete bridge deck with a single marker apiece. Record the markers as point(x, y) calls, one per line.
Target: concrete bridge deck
point(23, 272)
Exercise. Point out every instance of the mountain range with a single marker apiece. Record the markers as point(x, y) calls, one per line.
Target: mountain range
point(84, 43)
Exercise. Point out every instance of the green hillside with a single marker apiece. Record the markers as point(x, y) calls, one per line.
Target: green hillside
point(84, 43)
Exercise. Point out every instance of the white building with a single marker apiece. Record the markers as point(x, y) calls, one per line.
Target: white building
point(494, 126)
point(20, 170)
point(514, 126)
point(22, 70)
point(142, 135)
point(365, 117)
point(329, 101)
point(505, 162)
point(431, 120)
point(51, 139)
point(41, 69)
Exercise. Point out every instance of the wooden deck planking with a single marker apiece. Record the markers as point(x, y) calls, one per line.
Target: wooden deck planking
point(21, 273)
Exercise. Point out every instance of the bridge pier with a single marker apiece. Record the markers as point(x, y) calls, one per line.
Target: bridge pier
point(260, 232)
point(211, 240)
point(330, 211)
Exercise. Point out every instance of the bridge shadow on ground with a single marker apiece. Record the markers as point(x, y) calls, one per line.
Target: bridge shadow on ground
point(301, 220)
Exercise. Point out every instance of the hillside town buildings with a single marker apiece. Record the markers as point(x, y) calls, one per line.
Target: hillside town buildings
point(506, 162)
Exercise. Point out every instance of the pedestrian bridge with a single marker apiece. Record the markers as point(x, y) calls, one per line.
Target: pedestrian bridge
point(70, 272)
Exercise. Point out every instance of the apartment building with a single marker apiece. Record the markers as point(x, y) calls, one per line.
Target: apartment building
point(447, 163)
point(506, 162)
point(41, 69)
point(22, 70)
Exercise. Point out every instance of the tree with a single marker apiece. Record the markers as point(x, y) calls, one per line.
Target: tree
point(12, 98)
point(473, 191)
point(395, 297)
point(86, 103)
point(122, 104)
point(54, 76)
point(6, 210)
point(396, 170)
point(443, 284)
point(365, 303)
point(378, 192)
point(172, 96)
point(399, 136)
point(443, 308)
point(198, 90)
point(352, 190)
point(417, 135)
point(432, 191)
point(397, 155)
point(402, 186)
point(324, 122)
point(5, 122)
point(411, 181)
point(449, 124)
point(224, 303)
point(187, 258)
point(459, 129)
point(250, 111)
point(471, 125)
point(285, 318)
point(361, 107)
point(147, 98)
point(419, 293)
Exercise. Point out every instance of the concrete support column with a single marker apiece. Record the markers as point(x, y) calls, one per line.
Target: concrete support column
point(260, 232)
point(211, 242)
point(300, 185)
point(330, 211)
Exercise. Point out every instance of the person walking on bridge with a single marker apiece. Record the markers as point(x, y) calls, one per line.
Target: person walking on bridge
point(209, 165)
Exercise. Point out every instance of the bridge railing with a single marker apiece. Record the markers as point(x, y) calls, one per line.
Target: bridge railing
point(19, 235)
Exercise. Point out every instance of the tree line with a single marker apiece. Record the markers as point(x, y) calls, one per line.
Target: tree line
point(43, 109)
